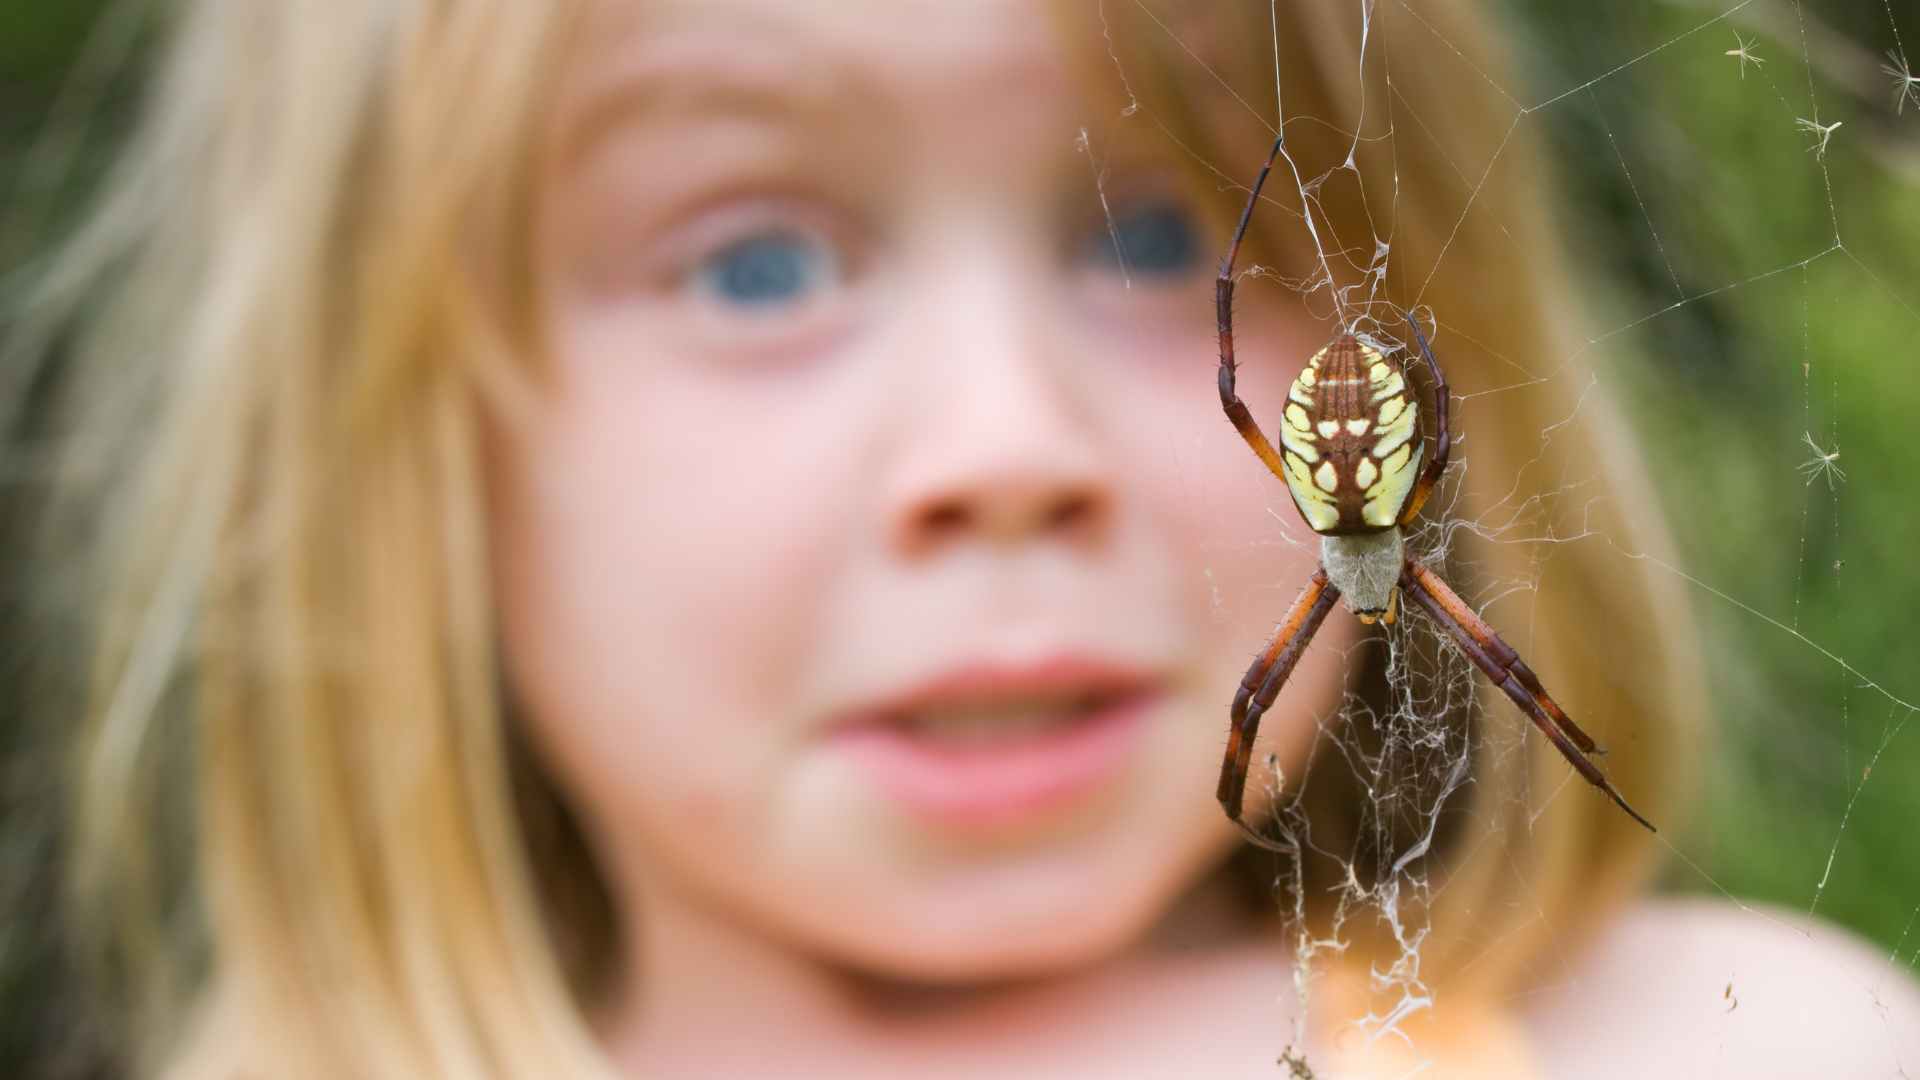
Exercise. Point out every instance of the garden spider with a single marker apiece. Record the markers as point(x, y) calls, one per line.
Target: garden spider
point(1351, 458)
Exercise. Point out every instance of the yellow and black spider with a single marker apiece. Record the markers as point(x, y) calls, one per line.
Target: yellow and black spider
point(1351, 455)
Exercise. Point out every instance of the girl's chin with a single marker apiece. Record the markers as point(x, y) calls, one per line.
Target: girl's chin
point(1032, 911)
point(989, 954)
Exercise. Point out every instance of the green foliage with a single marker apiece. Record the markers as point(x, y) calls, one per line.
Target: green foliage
point(48, 1026)
point(1782, 336)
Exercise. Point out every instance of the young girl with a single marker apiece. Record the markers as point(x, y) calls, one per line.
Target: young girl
point(671, 539)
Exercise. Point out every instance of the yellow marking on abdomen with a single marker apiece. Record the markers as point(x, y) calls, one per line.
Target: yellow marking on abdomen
point(1390, 411)
point(1392, 386)
point(1297, 419)
point(1328, 428)
point(1356, 427)
point(1325, 478)
point(1297, 469)
point(1394, 436)
point(1385, 498)
point(1314, 505)
point(1300, 442)
point(1365, 473)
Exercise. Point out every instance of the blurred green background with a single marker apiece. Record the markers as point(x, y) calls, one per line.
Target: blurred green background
point(1686, 176)
point(1738, 326)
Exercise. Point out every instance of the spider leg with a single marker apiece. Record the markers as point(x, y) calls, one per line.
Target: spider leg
point(1494, 648)
point(1263, 681)
point(1507, 671)
point(1223, 304)
point(1442, 437)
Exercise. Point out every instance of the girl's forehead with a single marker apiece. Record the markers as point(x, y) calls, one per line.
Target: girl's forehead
point(831, 54)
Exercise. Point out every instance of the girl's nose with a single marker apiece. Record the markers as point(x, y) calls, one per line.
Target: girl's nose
point(1008, 502)
point(1002, 447)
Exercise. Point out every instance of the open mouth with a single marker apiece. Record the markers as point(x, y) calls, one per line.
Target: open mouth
point(996, 749)
point(993, 725)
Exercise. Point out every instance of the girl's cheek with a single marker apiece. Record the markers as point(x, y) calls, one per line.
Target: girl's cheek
point(667, 532)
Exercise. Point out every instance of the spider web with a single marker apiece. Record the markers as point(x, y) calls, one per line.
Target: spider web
point(1752, 297)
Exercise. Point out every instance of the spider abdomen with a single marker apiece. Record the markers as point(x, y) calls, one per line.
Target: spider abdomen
point(1350, 439)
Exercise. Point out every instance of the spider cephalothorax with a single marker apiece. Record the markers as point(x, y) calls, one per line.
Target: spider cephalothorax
point(1354, 460)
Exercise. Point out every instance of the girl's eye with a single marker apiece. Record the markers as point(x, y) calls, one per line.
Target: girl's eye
point(767, 271)
point(1158, 239)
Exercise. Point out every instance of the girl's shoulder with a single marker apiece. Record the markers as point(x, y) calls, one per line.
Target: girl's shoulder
point(1692, 987)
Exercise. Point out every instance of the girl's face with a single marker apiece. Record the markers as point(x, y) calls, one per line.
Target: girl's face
point(878, 572)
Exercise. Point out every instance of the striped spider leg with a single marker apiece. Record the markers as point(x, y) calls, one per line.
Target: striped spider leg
point(1262, 684)
point(1504, 668)
point(1351, 455)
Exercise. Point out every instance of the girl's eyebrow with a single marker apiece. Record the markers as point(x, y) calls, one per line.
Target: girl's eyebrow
point(698, 75)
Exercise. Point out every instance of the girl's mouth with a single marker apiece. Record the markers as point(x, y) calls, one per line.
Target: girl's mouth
point(994, 745)
point(983, 725)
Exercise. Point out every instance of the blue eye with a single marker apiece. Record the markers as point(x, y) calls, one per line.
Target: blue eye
point(1157, 239)
point(767, 270)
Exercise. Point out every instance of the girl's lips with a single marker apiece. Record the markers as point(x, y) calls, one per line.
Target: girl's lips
point(988, 745)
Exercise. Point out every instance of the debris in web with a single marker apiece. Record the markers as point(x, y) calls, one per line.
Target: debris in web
point(1743, 49)
point(1906, 85)
point(1821, 133)
point(1824, 464)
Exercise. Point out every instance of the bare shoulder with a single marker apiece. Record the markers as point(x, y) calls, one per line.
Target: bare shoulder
point(1703, 987)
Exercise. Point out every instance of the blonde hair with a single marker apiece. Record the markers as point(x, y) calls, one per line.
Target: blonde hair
point(275, 418)
point(283, 354)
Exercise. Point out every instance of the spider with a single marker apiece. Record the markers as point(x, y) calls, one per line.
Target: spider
point(1351, 455)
